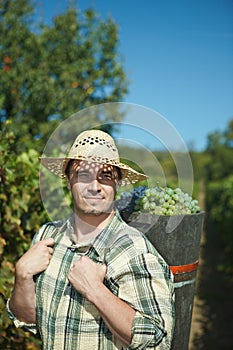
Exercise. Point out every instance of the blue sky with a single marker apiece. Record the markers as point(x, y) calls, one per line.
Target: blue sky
point(178, 56)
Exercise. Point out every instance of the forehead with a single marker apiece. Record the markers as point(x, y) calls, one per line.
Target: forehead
point(78, 165)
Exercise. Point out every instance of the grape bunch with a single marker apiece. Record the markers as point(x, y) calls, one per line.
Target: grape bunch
point(161, 201)
point(127, 200)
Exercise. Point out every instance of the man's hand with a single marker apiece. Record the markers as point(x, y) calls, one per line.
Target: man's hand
point(36, 259)
point(86, 276)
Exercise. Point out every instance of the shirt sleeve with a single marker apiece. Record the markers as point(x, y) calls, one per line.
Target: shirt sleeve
point(31, 327)
point(148, 288)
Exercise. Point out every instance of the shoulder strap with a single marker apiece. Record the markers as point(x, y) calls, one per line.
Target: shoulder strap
point(50, 230)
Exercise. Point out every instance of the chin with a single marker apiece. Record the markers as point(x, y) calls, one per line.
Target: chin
point(96, 211)
point(93, 212)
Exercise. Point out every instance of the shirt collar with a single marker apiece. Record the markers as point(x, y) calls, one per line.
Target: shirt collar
point(106, 238)
point(101, 243)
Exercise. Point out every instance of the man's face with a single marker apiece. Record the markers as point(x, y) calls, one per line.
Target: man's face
point(93, 187)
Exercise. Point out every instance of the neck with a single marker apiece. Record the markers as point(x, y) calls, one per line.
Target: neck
point(89, 226)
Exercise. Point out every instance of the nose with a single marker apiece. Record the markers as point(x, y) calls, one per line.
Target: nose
point(94, 186)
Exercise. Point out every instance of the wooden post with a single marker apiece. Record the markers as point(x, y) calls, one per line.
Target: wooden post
point(177, 239)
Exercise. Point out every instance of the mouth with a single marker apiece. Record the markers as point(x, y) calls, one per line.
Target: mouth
point(93, 200)
point(93, 197)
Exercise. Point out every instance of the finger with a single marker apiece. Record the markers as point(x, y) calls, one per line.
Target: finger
point(103, 268)
point(50, 250)
point(71, 269)
point(49, 242)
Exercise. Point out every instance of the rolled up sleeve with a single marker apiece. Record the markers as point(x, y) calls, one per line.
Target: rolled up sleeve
point(148, 288)
point(146, 334)
point(30, 327)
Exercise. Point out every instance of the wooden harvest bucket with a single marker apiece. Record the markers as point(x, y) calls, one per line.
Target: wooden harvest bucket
point(177, 239)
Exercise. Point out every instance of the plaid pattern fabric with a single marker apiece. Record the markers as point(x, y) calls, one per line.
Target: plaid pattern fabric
point(136, 273)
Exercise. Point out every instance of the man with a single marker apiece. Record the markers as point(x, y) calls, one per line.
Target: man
point(93, 282)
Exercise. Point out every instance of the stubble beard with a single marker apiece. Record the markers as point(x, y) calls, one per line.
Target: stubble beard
point(96, 212)
point(92, 212)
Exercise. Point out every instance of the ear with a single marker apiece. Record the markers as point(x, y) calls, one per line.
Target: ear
point(117, 187)
point(68, 183)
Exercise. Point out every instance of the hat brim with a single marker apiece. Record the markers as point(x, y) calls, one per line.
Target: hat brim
point(57, 166)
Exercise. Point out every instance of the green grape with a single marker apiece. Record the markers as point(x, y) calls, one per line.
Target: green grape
point(170, 212)
point(181, 200)
point(161, 200)
point(146, 206)
point(177, 190)
point(175, 197)
point(165, 205)
point(144, 199)
point(153, 192)
point(169, 191)
point(152, 205)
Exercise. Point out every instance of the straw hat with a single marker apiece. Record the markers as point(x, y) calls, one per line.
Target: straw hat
point(93, 146)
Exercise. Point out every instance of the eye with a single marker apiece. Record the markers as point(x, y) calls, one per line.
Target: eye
point(83, 176)
point(106, 176)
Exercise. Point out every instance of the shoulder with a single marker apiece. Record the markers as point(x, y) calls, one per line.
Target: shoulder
point(48, 230)
point(133, 254)
point(136, 239)
point(133, 247)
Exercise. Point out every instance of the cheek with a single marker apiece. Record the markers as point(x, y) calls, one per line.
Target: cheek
point(111, 193)
point(76, 189)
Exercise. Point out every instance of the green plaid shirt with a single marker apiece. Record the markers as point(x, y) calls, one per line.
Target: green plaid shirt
point(136, 273)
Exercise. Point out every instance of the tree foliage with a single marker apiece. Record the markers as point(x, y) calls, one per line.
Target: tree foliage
point(219, 188)
point(21, 215)
point(49, 73)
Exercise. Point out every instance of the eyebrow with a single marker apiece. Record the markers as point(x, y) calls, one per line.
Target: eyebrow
point(87, 171)
point(106, 171)
point(83, 171)
point(100, 173)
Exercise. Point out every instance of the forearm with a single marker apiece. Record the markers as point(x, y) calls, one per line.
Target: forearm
point(116, 313)
point(22, 302)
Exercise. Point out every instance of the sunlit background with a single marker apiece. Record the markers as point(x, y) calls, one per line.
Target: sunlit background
point(177, 56)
